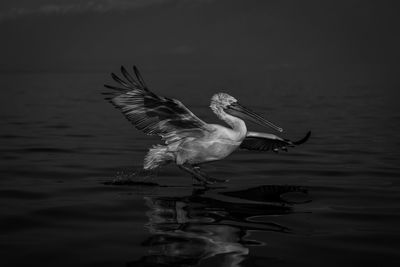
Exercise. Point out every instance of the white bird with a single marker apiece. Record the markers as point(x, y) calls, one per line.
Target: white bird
point(189, 141)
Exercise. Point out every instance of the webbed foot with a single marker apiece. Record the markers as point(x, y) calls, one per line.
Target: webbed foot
point(208, 178)
point(200, 176)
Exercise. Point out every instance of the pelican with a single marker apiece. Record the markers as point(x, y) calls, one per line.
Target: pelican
point(188, 140)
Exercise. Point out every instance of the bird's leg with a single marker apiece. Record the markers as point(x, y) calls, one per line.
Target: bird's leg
point(195, 174)
point(207, 177)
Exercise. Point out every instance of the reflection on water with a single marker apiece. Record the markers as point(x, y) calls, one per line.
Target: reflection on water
point(186, 230)
point(59, 142)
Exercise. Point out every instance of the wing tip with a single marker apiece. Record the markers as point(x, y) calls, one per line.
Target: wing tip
point(139, 77)
point(303, 140)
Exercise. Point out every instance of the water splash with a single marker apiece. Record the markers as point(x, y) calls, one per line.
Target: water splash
point(137, 177)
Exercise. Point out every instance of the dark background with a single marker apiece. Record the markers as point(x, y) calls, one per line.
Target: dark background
point(97, 35)
point(327, 66)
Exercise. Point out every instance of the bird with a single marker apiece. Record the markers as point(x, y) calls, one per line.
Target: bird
point(188, 140)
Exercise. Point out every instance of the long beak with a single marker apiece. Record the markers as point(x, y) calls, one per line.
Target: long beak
point(237, 110)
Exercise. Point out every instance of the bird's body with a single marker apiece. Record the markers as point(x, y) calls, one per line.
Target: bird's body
point(189, 141)
point(215, 145)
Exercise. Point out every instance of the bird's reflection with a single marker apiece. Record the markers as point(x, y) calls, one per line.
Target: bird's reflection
point(204, 226)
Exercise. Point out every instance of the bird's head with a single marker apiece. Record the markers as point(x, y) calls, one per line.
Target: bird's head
point(229, 104)
point(221, 100)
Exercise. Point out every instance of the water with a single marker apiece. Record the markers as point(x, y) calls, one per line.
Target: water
point(334, 200)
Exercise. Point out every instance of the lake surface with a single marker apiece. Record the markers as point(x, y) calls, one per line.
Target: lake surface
point(334, 201)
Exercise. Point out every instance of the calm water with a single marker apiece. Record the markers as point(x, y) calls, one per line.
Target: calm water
point(333, 201)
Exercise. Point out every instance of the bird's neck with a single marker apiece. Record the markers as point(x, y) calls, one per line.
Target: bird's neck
point(237, 125)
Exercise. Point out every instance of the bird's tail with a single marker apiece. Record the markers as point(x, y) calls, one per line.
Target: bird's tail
point(157, 156)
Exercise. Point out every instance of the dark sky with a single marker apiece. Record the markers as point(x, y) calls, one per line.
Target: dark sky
point(73, 35)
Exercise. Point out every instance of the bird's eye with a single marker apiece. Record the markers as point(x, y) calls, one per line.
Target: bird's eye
point(232, 105)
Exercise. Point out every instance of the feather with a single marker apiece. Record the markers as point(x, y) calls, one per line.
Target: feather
point(120, 81)
point(139, 77)
point(128, 76)
point(265, 142)
point(114, 87)
point(303, 140)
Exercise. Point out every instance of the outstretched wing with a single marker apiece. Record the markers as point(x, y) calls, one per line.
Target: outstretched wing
point(153, 114)
point(264, 142)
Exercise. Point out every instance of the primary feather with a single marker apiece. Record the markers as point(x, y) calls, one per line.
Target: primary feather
point(265, 142)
